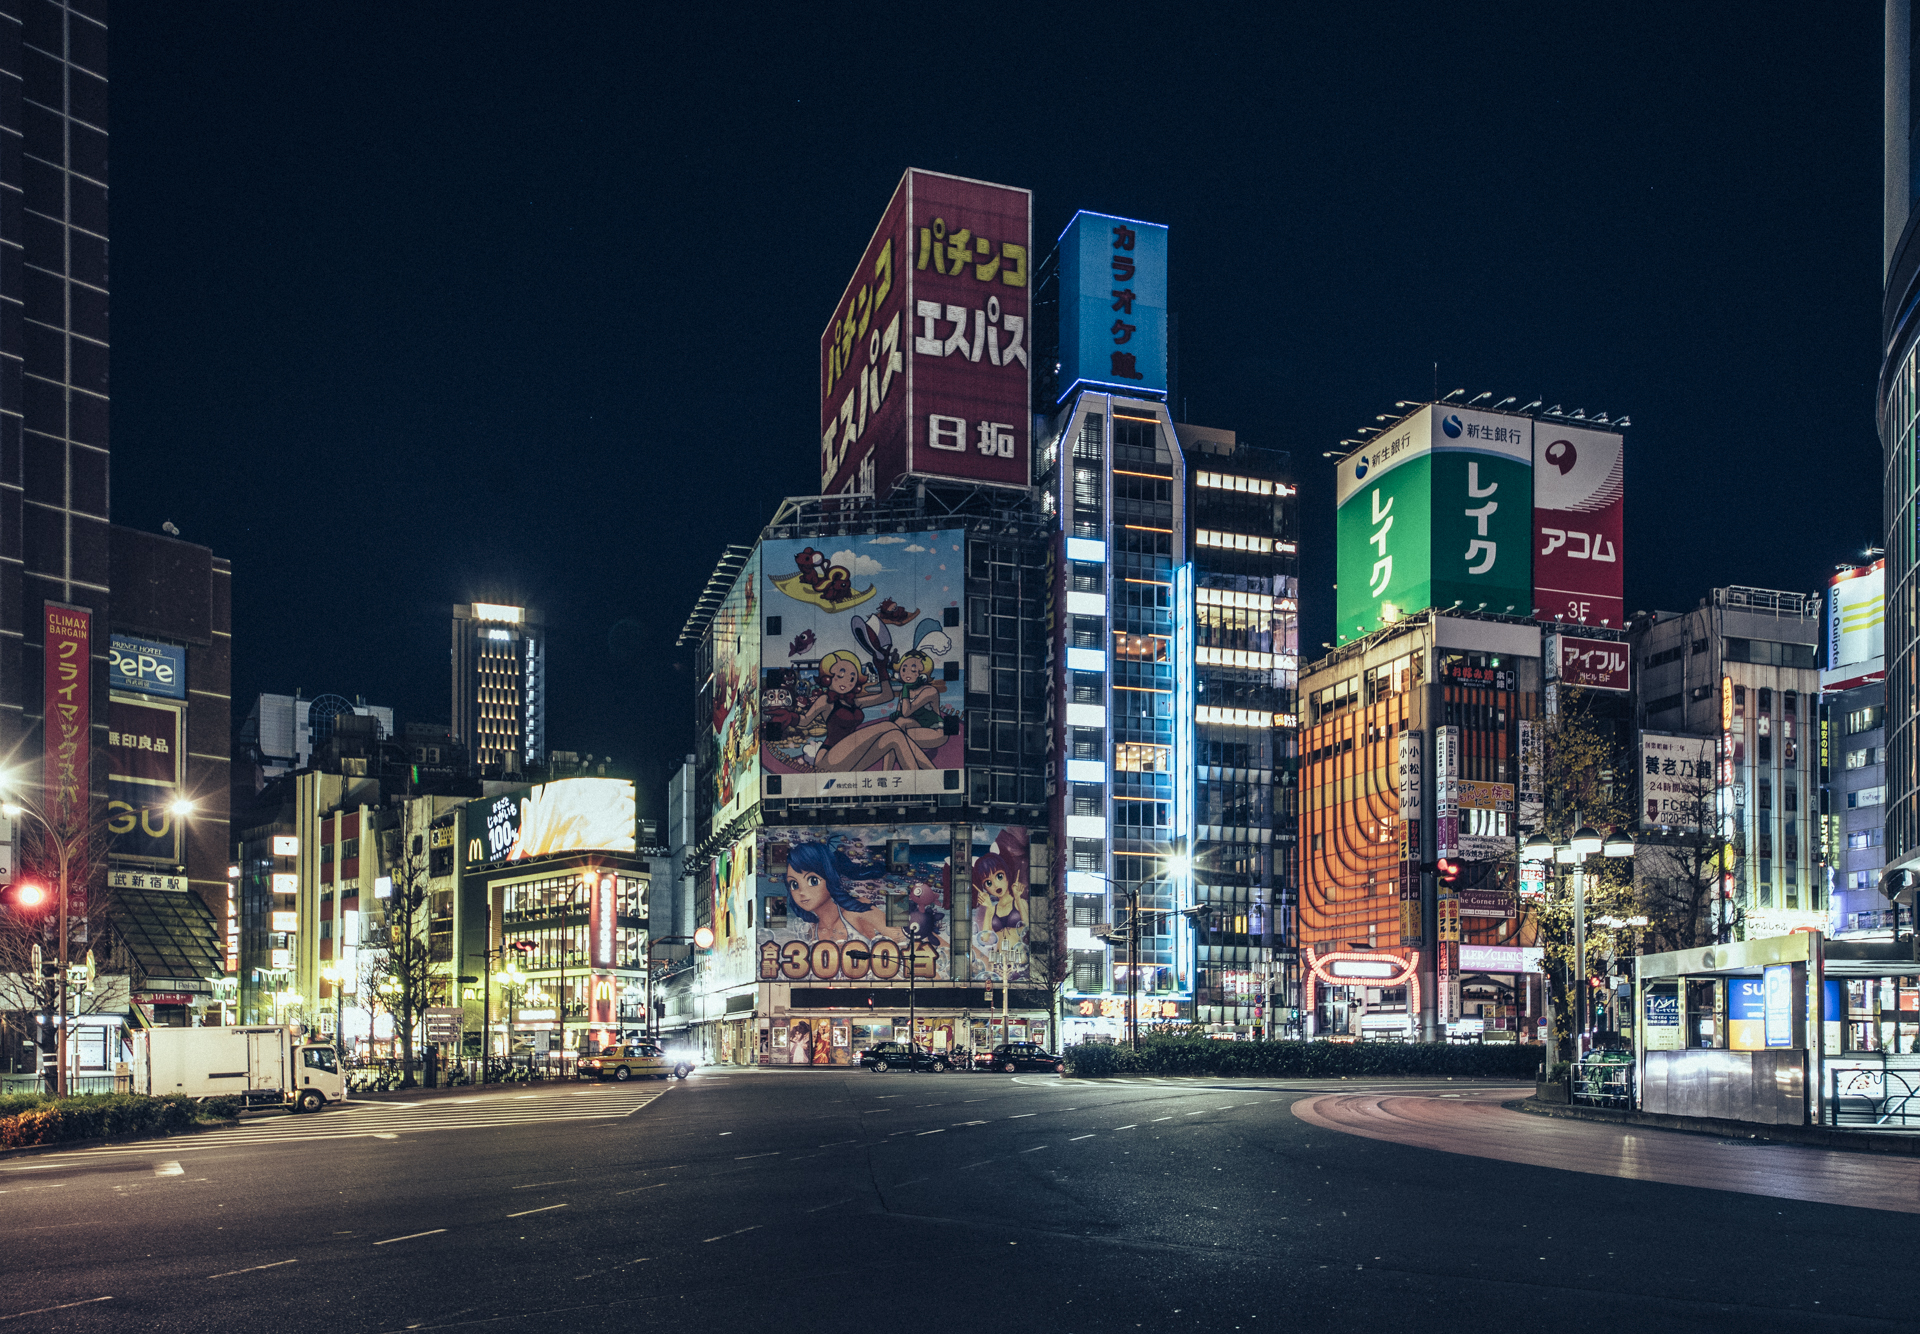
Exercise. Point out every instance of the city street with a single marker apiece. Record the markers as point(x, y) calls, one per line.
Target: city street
point(797, 1199)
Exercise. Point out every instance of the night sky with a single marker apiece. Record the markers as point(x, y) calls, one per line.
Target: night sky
point(415, 305)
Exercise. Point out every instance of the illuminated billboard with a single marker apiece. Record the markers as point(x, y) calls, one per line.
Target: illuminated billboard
point(1579, 515)
point(925, 366)
point(144, 771)
point(1593, 664)
point(733, 705)
point(862, 675)
point(571, 815)
point(1113, 305)
point(1856, 626)
point(1436, 513)
point(1676, 781)
point(858, 905)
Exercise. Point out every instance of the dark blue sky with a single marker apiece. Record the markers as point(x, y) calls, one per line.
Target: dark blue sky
point(414, 304)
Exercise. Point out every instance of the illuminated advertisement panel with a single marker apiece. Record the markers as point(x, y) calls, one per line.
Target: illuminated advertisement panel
point(1435, 513)
point(1113, 305)
point(572, 815)
point(862, 675)
point(145, 665)
point(1593, 664)
point(1579, 513)
point(926, 364)
point(144, 769)
point(735, 701)
point(1676, 781)
point(1856, 626)
point(860, 904)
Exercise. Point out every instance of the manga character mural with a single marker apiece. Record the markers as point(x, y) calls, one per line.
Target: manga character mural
point(998, 947)
point(735, 702)
point(837, 904)
point(729, 963)
point(861, 669)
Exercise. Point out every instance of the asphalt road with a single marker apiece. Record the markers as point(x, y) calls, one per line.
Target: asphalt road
point(813, 1200)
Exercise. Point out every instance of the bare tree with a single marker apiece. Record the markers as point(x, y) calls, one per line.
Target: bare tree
point(404, 965)
point(1678, 868)
point(25, 993)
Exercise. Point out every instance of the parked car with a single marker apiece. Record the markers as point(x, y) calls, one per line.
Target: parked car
point(632, 1060)
point(886, 1056)
point(1016, 1056)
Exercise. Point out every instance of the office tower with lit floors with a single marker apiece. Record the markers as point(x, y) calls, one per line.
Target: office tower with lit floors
point(500, 686)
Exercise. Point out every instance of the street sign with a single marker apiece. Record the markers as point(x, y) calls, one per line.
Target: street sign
point(444, 1023)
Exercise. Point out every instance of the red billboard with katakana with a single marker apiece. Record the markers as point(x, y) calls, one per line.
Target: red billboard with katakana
point(926, 365)
point(1579, 525)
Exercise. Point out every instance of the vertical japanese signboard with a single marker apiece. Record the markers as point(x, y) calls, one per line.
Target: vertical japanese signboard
point(1676, 781)
point(1532, 798)
point(1579, 510)
point(1411, 777)
point(601, 923)
point(67, 701)
point(925, 367)
point(1436, 513)
point(1113, 305)
point(1446, 791)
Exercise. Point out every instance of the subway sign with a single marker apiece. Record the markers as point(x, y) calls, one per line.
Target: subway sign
point(148, 667)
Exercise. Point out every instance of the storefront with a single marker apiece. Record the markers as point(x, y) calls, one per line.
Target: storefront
point(1362, 994)
point(1502, 994)
point(822, 1026)
point(1104, 1018)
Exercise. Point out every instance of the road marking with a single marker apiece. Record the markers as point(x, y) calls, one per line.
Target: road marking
point(969, 1123)
point(1017, 1115)
point(524, 1212)
point(1077, 1138)
point(724, 1235)
point(1163, 1118)
point(1135, 1126)
point(637, 1189)
point(941, 1131)
point(168, 1170)
point(838, 1143)
point(63, 1306)
point(251, 1268)
point(531, 1184)
point(982, 1163)
point(725, 1133)
point(1202, 1112)
point(430, 1232)
point(1035, 1149)
point(817, 1208)
point(743, 1157)
point(384, 1134)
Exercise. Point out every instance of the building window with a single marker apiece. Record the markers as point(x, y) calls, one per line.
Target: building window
point(1865, 720)
point(1134, 757)
point(1867, 796)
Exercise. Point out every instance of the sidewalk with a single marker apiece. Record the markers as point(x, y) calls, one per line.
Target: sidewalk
point(1898, 1143)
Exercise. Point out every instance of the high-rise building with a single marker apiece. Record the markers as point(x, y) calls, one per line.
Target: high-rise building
point(1853, 753)
point(500, 686)
point(281, 732)
point(1899, 420)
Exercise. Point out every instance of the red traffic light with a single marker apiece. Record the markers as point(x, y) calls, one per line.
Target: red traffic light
point(1448, 871)
point(26, 895)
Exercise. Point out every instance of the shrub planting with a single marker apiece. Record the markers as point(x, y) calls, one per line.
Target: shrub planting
point(45, 1120)
point(1320, 1060)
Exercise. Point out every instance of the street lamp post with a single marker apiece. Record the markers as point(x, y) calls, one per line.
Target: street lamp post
point(1586, 842)
point(522, 948)
point(649, 1028)
point(65, 847)
point(913, 933)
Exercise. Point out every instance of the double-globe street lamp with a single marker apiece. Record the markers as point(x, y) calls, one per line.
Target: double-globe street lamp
point(1585, 842)
point(1178, 864)
point(68, 847)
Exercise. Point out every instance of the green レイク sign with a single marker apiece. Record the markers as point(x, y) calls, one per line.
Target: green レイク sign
point(1438, 512)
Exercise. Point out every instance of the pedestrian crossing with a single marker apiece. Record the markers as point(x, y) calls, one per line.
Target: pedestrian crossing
point(387, 1120)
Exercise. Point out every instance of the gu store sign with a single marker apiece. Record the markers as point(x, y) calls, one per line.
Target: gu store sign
point(925, 365)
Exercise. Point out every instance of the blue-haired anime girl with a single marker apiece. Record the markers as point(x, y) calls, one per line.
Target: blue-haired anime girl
point(817, 893)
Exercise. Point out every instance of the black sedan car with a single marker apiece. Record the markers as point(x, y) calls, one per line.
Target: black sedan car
point(1016, 1056)
point(886, 1056)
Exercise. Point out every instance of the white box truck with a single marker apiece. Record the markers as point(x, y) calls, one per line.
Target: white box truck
point(261, 1064)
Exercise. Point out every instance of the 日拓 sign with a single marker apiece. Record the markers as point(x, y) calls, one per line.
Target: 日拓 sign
point(147, 666)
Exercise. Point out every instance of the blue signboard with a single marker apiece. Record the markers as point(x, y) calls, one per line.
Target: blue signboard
point(148, 667)
point(1113, 305)
point(1779, 989)
point(1663, 1009)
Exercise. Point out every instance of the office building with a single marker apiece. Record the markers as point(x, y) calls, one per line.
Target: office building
point(281, 732)
point(500, 687)
point(1899, 423)
point(1853, 756)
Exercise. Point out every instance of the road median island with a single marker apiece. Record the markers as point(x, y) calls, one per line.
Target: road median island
point(1304, 1060)
point(29, 1120)
point(1816, 1137)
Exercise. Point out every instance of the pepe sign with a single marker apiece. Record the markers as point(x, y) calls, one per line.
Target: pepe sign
point(148, 667)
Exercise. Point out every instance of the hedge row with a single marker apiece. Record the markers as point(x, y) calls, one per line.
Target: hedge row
point(106, 1116)
point(1204, 1056)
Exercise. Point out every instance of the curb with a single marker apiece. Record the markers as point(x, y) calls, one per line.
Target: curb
point(1819, 1137)
point(74, 1145)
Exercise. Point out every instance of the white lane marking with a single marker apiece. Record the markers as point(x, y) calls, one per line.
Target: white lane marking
point(531, 1184)
point(941, 1131)
point(430, 1232)
point(251, 1268)
point(982, 1163)
point(1202, 1112)
point(383, 1134)
point(1017, 1115)
point(543, 1209)
point(89, 1301)
point(837, 1144)
point(1163, 1118)
point(724, 1235)
point(969, 1123)
point(817, 1208)
point(1035, 1149)
point(1134, 1126)
point(637, 1189)
point(169, 1170)
point(743, 1157)
point(1077, 1138)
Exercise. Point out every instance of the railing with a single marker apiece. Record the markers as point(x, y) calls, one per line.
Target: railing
point(1603, 1083)
point(1872, 1096)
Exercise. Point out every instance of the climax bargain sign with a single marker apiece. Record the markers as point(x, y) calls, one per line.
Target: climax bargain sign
point(69, 720)
point(925, 365)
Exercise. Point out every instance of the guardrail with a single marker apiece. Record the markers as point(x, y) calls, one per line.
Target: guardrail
point(1601, 1083)
point(1873, 1097)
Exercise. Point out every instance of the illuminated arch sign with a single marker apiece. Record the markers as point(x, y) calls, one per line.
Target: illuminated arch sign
point(1366, 967)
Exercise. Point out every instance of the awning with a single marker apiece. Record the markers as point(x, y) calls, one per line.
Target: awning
point(171, 937)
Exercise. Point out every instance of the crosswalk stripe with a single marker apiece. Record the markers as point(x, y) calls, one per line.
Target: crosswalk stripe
point(354, 1122)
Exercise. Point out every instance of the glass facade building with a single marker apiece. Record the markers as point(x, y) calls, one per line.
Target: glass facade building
point(1899, 408)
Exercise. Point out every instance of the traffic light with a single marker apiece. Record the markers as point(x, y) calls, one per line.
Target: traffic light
point(26, 896)
point(1447, 872)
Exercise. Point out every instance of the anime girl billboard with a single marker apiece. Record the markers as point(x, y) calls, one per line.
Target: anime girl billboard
point(861, 668)
point(735, 701)
point(998, 946)
point(852, 905)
